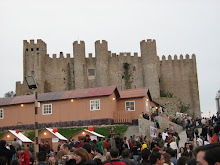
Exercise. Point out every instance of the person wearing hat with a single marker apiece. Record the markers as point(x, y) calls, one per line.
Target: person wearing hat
point(144, 146)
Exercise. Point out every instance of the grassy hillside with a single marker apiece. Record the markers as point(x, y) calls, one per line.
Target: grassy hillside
point(67, 132)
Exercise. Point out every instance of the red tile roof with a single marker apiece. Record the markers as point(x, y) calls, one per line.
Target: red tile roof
point(61, 95)
point(134, 93)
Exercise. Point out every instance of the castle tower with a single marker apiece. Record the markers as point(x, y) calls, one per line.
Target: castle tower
point(150, 67)
point(33, 62)
point(101, 53)
point(79, 64)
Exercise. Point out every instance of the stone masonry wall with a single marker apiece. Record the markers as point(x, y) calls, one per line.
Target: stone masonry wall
point(144, 127)
point(164, 124)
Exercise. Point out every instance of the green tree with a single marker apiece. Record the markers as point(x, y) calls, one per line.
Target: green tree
point(10, 94)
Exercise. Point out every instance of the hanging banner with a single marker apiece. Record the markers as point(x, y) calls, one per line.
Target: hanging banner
point(153, 131)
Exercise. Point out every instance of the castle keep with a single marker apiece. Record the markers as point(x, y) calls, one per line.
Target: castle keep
point(172, 82)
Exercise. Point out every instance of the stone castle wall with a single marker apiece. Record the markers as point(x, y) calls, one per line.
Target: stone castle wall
point(177, 77)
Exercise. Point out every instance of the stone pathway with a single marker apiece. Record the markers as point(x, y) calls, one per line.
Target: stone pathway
point(183, 137)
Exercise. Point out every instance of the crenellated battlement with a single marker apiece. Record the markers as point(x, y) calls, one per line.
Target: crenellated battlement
point(148, 41)
point(181, 58)
point(79, 42)
point(101, 42)
point(32, 42)
point(124, 55)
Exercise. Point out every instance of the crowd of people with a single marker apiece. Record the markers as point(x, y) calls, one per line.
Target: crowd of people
point(201, 147)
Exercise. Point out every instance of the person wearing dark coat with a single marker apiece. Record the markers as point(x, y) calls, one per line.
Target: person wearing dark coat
point(7, 153)
point(119, 142)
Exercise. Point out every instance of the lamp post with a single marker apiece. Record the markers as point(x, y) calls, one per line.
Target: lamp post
point(217, 98)
point(33, 85)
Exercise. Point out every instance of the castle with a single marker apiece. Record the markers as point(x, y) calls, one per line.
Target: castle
point(172, 82)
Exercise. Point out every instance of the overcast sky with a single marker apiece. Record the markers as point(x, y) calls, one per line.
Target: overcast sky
point(179, 27)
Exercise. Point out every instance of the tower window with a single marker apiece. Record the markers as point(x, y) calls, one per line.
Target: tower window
point(134, 68)
point(26, 49)
point(91, 72)
point(32, 49)
point(37, 49)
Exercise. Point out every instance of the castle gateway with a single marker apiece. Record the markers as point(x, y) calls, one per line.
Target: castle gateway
point(172, 82)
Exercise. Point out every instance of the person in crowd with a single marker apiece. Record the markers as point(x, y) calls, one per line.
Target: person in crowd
point(106, 146)
point(15, 144)
point(111, 132)
point(81, 142)
point(173, 157)
point(173, 144)
point(156, 146)
point(42, 147)
point(145, 153)
point(87, 139)
point(152, 145)
point(188, 151)
point(69, 157)
point(100, 145)
point(167, 158)
point(191, 161)
point(88, 148)
point(141, 116)
point(157, 159)
point(215, 137)
point(81, 156)
point(118, 142)
point(97, 161)
point(204, 131)
point(60, 159)
point(125, 144)
point(187, 141)
point(41, 158)
point(208, 154)
point(168, 149)
point(134, 152)
point(181, 151)
point(160, 140)
point(3, 160)
point(108, 158)
point(164, 134)
point(94, 144)
point(112, 142)
point(182, 160)
point(199, 141)
point(114, 154)
point(7, 153)
point(98, 155)
point(125, 157)
point(47, 147)
point(177, 138)
point(23, 156)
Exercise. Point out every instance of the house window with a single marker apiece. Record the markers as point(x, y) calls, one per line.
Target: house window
point(47, 109)
point(94, 105)
point(1, 113)
point(130, 106)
